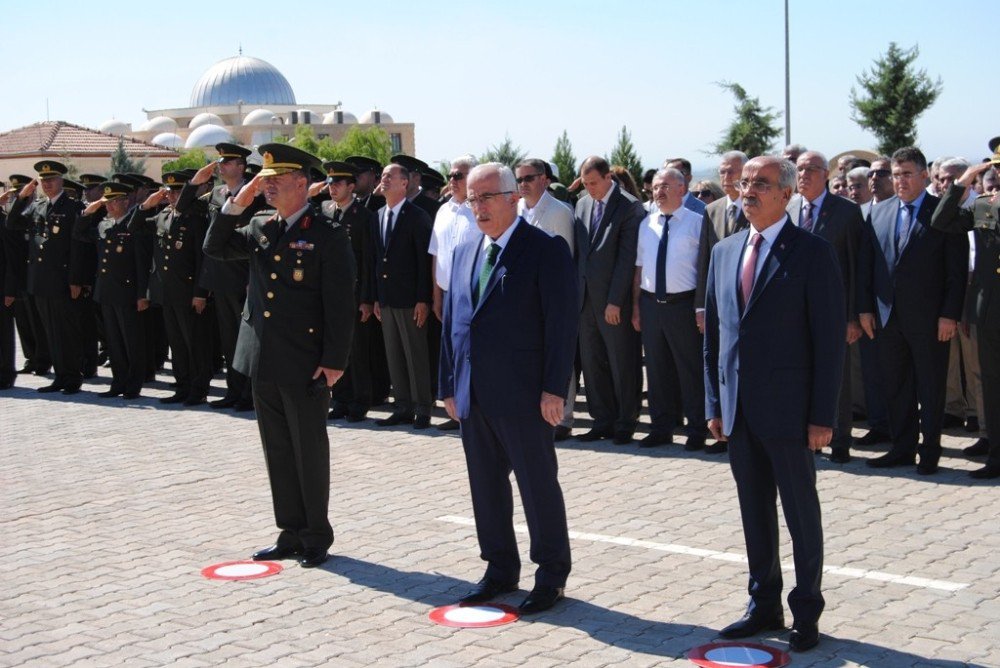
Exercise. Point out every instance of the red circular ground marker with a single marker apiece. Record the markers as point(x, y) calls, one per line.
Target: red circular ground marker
point(738, 655)
point(241, 570)
point(474, 616)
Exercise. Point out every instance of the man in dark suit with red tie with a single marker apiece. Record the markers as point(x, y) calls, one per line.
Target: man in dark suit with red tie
point(507, 352)
point(774, 354)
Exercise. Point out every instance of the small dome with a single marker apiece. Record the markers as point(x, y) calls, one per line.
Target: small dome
point(159, 124)
point(114, 127)
point(205, 118)
point(207, 135)
point(339, 117)
point(168, 139)
point(376, 117)
point(241, 79)
point(261, 117)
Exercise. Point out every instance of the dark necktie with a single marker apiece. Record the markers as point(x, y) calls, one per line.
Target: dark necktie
point(338, 215)
point(749, 268)
point(807, 217)
point(388, 228)
point(731, 219)
point(661, 261)
point(595, 220)
point(903, 230)
point(282, 228)
point(484, 273)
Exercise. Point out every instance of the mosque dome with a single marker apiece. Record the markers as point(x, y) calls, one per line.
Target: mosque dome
point(339, 117)
point(261, 117)
point(168, 139)
point(377, 117)
point(205, 118)
point(114, 127)
point(207, 135)
point(241, 79)
point(159, 124)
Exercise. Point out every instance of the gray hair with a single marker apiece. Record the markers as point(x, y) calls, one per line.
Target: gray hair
point(787, 174)
point(669, 172)
point(507, 180)
point(464, 161)
point(826, 163)
point(734, 155)
point(958, 165)
point(858, 173)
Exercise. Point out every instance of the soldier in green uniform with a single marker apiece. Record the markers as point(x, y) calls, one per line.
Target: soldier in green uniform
point(50, 222)
point(177, 285)
point(982, 219)
point(294, 340)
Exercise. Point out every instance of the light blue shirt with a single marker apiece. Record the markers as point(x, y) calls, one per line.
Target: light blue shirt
point(913, 217)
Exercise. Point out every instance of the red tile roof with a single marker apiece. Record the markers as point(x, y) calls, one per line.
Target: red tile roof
point(62, 138)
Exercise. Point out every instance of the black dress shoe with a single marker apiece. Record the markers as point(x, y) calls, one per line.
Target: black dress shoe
point(243, 405)
point(622, 438)
point(561, 433)
point(753, 623)
point(803, 638)
point(107, 394)
point(593, 435)
point(840, 455)
point(395, 419)
point(6, 384)
point(338, 411)
point(540, 599)
point(654, 440)
point(42, 370)
point(177, 398)
point(131, 395)
point(694, 443)
point(873, 437)
point(927, 465)
point(357, 415)
point(422, 422)
point(313, 558)
point(951, 421)
point(195, 401)
point(977, 449)
point(891, 459)
point(27, 368)
point(54, 387)
point(717, 448)
point(448, 425)
point(90, 371)
point(224, 402)
point(487, 589)
point(71, 389)
point(276, 553)
point(988, 472)
point(972, 425)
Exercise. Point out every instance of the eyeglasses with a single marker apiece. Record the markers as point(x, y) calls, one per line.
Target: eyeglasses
point(755, 186)
point(527, 178)
point(702, 193)
point(485, 198)
point(456, 176)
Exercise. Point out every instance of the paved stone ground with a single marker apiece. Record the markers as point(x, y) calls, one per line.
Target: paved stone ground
point(110, 509)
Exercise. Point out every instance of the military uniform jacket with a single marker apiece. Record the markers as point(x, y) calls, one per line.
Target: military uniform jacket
point(228, 277)
point(176, 240)
point(360, 224)
point(123, 260)
point(300, 306)
point(14, 244)
point(51, 243)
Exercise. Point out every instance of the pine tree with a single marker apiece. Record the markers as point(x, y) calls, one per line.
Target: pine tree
point(564, 159)
point(623, 154)
point(893, 98)
point(121, 163)
point(753, 130)
point(505, 153)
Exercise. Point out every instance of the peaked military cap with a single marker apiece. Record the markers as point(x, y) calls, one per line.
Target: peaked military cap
point(229, 151)
point(91, 180)
point(115, 190)
point(78, 188)
point(995, 147)
point(336, 170)
point(253, 169)
point(175, 180)
point(50, 168)
point(431, 178)
point(409, 163)
point(283, 158)
point(364, 164)
point(19, 180)
point(128, 179)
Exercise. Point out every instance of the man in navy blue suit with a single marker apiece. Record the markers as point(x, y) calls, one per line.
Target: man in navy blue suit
point(507, 345)
point(774, 355)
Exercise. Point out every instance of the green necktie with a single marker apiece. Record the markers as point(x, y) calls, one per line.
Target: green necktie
point(484, 274)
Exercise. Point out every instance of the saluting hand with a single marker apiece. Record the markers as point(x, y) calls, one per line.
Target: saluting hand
point(332, 375)
point(552, 408)
point(154, 199)
point(29, 189)
point(204, 175)
point(248, 192)
point(317, 188)
point(94, 206)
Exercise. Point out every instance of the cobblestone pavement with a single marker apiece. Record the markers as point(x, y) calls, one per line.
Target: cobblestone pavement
point(110, 509)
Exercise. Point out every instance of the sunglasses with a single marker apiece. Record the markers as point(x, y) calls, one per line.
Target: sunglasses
point(456, 176)
point(702, 193)
point(528, 178)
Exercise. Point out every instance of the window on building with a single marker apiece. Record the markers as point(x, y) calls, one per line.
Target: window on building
point(396, 140)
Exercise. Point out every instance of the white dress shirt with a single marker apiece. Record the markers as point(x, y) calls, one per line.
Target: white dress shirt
point(683, 241)
point(454, 224)
point(770, 234)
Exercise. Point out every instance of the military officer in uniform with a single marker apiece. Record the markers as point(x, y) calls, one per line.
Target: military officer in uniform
point(91, 324)
point(982, 219)
point(176, 285)
point(295, 338)
point(123, 261)
point(50, 222)
point(227, 281)
point(353, 394)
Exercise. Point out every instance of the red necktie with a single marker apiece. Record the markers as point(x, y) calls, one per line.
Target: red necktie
point(749, 268)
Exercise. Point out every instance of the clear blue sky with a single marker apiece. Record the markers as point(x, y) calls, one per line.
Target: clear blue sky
point(466, 74)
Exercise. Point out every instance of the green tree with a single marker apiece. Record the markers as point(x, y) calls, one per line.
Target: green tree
point(624, 154)
point(122, 163)
point(191, 158)
point(753, 130)
point(370, 142)
point(893, 97)
point(564, 159)
point(505, 153)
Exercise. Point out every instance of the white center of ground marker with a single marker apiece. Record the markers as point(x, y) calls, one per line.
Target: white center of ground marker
point(475, 614)
point(674, 548)
point(241, 570)
point(738, 656)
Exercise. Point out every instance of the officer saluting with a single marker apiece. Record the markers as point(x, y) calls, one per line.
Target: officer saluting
point(294, 340)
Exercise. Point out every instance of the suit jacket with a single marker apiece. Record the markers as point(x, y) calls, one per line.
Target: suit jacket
point(519, 340)
point(52, 248)
point(928, 280)
point(714, 229)
point(300, 308)
point(840, 223)
point(554, 217)
point(403, 266)
point(780, 361)
point(606, 265)
point(693, 203)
